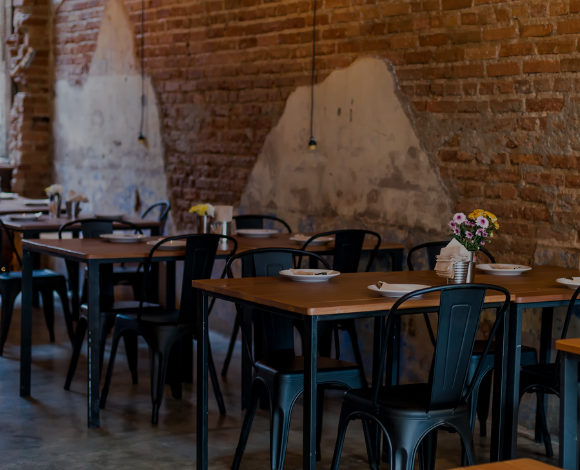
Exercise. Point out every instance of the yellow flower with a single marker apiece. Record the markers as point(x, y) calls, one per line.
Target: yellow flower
point(476, 213)
point(493, 219)
point(203, 209)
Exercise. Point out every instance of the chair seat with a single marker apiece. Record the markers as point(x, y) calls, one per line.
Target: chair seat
point(153, 317)
point(127, 271)
point(36, 274)
point(125, 306)
point(479, 346)
point(295, 365)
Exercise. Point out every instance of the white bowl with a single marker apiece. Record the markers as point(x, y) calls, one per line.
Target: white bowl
point(310, 277)
point(256, 232)
point(399, 290)
point(502, 269)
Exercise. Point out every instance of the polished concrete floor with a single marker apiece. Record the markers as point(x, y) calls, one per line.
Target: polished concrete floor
point(48, 430)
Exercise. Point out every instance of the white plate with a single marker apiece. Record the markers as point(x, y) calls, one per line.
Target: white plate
point(316, 242)
point(256, 232)
point(113, 216)
point(310, 277)
point(500, 269)
point(568, 283)
point(37, 202)
point(25, 217)
point(8, 195)
point(400, 292)
point(121, 238)
point(173, 245)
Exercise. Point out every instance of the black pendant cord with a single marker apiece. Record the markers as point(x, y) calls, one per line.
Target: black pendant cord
point(141, 136)
point(312, 142)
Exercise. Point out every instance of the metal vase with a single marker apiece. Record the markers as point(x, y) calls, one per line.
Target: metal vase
point(470, 279)
point(464, 271)
point(203, 225)
point(54, 211)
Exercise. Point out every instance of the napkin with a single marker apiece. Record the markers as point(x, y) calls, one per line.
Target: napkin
point(300, 272)
point(573, 279)
point(73, 196)
point(224, 213)
point(452, 253)
point(391, 287)
point(300, 237)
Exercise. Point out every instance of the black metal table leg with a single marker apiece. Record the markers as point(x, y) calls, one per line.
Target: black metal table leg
point(26, 324)
point(545, 353)
point(568, 459)
point(247, 368)
point(94, 367)
point(202, 386)
point(310, 382)
point(393, 353)
point(512, 388)
point(377, 349)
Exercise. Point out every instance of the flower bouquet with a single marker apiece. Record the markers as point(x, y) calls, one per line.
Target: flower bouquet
point(475, 230)
point(204, 212)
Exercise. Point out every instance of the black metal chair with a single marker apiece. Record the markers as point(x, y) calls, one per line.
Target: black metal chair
point(280, 373)
point(545, 378)
point(163, 330)
point(133, 275)
point(45, 282)
point(93, 228)
point(248, 221)
point(482, 394)
point(348, 245)
point(409, 415)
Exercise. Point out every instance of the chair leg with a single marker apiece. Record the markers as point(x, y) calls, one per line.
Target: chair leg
point(215, 383)
point(107, 324)
point(427, 451)
point(351, 330)
point(544, 424)
point(48, 307)
point(319, 415)
point(231, 346)
point(279, 425)
point(82, 326)
point(62, 292)
point(8, 297)
point(372, 453)
point(342, 425)
point(159, 361)
point(466, 436)
point(483, 399)
point(131, 349)
point(105, 392)
point(247, 425)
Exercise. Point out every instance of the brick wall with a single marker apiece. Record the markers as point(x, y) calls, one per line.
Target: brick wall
point(491, 85)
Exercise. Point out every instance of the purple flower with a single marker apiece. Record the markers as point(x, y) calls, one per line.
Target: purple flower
point(484, 234)
point(452, 224)
point(482, 243)
point(480, 232)
point(468, 235)
point(482, 222)
point(456, 231)
point(459, 218)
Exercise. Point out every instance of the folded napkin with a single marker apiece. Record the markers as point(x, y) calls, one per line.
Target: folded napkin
point(73, 196)
point(452, 253)
point(390, 287)
point(575, 280)
point(300, 272)
point(299, 236)
point(223, 213)
point(501, 266)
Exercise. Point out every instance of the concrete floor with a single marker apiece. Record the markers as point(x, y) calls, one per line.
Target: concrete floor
point(48, 430)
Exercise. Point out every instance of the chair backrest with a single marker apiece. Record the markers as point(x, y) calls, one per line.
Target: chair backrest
point(571, 307)
point(278, 330)
point(433, 249)
point(257, 221)
point(200, 254)
point(348, 245)
point(93, 228)
point(164, 207)
point(460, 308)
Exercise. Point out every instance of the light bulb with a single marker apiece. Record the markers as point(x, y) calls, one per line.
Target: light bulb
point(312, 144)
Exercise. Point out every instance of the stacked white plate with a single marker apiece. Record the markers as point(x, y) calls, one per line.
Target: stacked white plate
point(173, 245)
point(256, 232)
point(25, 217)
point(8, 195)
point(572, 283)
point(309, 275)
point(121, 237)
point(300, 240)
point(397, 290)
point(503, 269)
point(37, 202)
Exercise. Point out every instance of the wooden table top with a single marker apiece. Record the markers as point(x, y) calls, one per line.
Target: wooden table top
point(348, 293)
point(18, 206)
point(48, 224)
point(519, 464)
point(571, 345)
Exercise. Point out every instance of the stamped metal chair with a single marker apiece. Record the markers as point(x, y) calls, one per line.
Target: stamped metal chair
point(163, 330)
point(248, 221)
point(280, 373)
point(45, 282)
point(409, 415)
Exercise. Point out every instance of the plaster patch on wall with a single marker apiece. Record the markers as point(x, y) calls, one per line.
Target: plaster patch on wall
point(369, 168)
point(97, 125)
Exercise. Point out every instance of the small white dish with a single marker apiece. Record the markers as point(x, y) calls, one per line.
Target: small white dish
point(500, 269)
point(121, 237)
point(8, 195)
point(314, 277)
point(397, 290)
point(569, 283)
point(173, 245)
point(316, 242)
point(37, 202)
point(25, 217)
point(256, 232)
point(113, 216)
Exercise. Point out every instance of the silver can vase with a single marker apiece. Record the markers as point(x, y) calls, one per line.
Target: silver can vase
point(203, 224)
point(464, 271)
point(54, 206)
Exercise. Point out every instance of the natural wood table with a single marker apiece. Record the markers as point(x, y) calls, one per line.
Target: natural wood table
point(520, 464)
point(569, 359)
point(347, 296)
point(21, 205)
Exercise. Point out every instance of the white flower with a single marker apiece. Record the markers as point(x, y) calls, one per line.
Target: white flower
point(210, 210)
point(459, 218)
point(54, 189)
point(482, 222)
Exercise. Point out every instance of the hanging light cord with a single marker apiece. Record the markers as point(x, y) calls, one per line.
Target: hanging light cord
point(312, 142)
point(141, 136)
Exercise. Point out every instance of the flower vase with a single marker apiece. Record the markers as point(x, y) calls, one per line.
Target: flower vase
point(203, 225)
point(471, 268)
point(54, 206)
